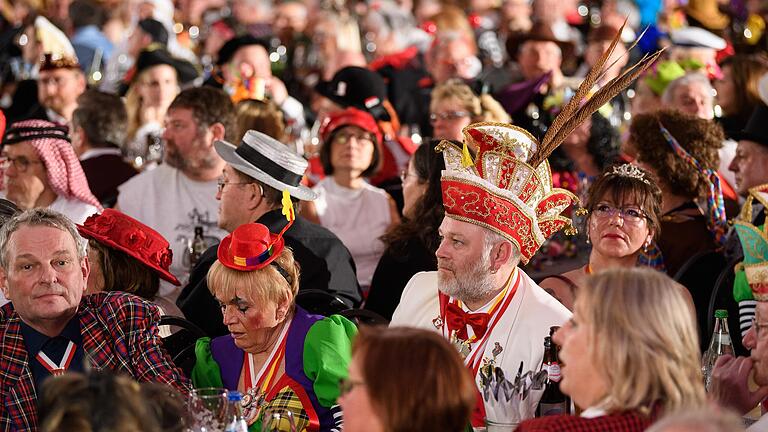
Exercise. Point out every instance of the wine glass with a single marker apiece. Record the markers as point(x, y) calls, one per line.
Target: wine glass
point(207, 409)
point(278, 420)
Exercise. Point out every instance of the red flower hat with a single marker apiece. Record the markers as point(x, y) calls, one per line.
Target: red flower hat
point(120, 231)
point(250, 247)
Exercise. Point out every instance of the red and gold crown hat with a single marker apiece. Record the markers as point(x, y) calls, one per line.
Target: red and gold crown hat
point(499, 190)
point(508, 187)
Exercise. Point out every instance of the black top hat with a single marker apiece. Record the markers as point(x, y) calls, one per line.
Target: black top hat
point(357, 87)
point(157, 55)
point(228, 50)
point(755, 129)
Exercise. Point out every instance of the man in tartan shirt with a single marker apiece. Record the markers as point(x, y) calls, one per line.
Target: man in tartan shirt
point(50, 327)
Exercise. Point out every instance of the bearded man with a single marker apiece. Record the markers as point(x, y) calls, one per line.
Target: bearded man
point(478, 298)
point(178, 197)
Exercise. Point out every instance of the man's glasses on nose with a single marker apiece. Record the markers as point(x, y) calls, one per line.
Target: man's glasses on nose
point(447, 115)
point(21, 163)
point(631, 215)
point(758, 326)
point(221, 183)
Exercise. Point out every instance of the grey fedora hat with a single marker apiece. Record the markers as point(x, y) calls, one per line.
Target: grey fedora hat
point(268, 161)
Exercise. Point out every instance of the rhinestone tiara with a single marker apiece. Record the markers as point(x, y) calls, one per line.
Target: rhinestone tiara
point(629, 170)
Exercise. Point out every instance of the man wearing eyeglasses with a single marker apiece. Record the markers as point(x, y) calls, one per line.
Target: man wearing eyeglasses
point(41, 170)
point(730, 377)
point(251, 188)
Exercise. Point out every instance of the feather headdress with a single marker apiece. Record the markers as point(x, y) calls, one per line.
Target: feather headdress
point(507, 188)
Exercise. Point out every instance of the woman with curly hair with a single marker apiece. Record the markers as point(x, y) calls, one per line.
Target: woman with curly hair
point(410, 245)
point(681, 150)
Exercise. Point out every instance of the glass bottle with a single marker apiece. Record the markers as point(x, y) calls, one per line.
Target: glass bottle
point(197, 247)
point(553, 401)
point(719, 344)
point(235, 420)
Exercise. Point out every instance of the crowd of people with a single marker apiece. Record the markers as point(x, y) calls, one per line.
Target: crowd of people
point(383, 215)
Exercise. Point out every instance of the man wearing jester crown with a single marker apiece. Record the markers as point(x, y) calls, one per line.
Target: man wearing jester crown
point(499, 209)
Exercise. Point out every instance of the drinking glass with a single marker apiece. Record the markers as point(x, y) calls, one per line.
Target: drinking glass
point(207, 409)
point(492, 426)
point(278, 420)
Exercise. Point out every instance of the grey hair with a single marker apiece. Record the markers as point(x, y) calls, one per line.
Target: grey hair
point(687, 79)
point(39, 217)
point(492, 238)
point(700, 421)
point(390, 19)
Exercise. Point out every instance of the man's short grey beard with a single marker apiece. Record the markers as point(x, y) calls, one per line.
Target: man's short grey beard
point(474, 285)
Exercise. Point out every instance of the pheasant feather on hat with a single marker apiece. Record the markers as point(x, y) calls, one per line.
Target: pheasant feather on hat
point(507, 188)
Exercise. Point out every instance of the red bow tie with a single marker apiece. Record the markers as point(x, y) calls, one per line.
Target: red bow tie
point(457, 320)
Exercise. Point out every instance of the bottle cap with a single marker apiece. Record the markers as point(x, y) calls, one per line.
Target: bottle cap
point(721, 313)
point(234, 396)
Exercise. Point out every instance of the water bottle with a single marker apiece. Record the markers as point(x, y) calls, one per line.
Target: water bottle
point(719, 344)
point(236, 422)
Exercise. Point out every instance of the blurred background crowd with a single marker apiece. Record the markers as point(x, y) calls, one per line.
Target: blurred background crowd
point(189, 119)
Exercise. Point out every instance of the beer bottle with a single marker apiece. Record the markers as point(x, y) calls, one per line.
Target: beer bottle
point(553, 401)
point(719, 344)
point(197, 248)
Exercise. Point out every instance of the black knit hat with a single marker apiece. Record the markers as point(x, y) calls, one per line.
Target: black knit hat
point(229, 48)
point(357, 87)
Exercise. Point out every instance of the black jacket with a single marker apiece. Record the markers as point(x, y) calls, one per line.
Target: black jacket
point(393, 273)
point(324, 260)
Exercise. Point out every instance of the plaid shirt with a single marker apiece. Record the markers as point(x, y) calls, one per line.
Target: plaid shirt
point(119, 334)
point(629, 421)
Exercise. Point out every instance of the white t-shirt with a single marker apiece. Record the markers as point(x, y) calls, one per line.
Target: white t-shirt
point(172, 204)
point(76, 210)
point(358, 217)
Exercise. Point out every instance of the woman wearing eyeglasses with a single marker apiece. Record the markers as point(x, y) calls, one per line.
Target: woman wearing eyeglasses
point(279, 356)
point(432, 391)
point(455, 106)
point(623, 208)
point(357, 212)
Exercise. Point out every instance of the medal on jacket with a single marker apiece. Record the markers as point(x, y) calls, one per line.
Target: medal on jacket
point(259, 383)
point(462, 346)
point(54, 368)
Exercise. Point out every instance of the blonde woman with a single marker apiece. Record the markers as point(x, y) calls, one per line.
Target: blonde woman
point(630, 353)
point(277, 354)
point(454, 106)
point(150, 88)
